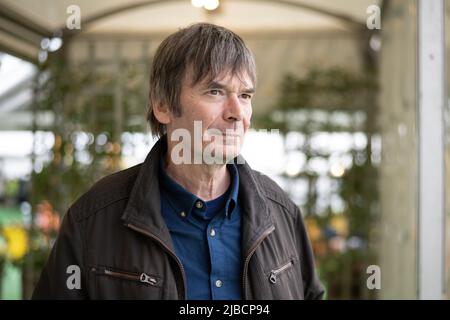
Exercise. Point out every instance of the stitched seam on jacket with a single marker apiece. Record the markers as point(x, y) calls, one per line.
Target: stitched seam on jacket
point(286, 209)
point(78, 207)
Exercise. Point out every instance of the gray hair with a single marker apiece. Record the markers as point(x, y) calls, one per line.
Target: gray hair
point(208, 50)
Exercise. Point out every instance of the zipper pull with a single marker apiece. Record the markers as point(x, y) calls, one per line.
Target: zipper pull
point(145, 278)
point(273, 277)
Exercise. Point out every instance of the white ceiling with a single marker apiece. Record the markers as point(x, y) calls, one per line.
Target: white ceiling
point(23, 23)
point(170, 14)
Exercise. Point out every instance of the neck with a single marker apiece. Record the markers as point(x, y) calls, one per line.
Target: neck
point(205, 181)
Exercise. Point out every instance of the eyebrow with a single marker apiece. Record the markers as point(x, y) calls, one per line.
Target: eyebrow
point(218, 85)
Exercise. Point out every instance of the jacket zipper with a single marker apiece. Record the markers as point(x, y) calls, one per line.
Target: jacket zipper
point(143, 277)
point(249, 255)
point(274, 273)
point(140, 230)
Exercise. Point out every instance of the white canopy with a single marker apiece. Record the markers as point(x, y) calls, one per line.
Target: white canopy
point(23, 23)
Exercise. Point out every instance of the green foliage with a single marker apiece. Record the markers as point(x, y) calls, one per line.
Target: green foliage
point(335, 100)
point(310, 103)
point(84, 101)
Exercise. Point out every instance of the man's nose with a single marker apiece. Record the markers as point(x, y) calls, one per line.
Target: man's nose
point(233, 109)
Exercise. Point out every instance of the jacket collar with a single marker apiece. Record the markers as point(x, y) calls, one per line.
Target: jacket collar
point(144, 205)
point(256, 217)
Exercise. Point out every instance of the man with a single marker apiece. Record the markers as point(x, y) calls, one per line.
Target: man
point(193, 221)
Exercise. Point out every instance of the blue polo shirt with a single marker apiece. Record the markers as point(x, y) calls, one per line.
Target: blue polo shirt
point(206, 237)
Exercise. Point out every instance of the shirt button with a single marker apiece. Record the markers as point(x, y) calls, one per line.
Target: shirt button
point(199, 204)
point(212, 233)
point(183, 214)
point(218, 283)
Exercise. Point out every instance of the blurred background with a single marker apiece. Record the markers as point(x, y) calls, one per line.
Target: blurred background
point(336, 124)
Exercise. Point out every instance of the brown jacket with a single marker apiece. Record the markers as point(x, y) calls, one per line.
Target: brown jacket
point(117, 237)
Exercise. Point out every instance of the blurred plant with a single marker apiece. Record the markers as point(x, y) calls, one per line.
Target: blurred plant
point(3, 249)
point(17, 242)
point(47, 220)
point(90, 114)
point(11, 188)
point(41, 237)
point(13, 246)
point(333, 101)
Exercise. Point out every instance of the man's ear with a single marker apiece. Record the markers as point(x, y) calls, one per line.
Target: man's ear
point(162, 113)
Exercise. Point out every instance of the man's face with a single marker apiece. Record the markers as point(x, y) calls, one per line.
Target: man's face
point(221, 110)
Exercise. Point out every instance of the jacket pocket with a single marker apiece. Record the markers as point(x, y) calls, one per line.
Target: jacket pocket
point(284, 280)
point(113, 283)
point(276, 272)
point(137, 277)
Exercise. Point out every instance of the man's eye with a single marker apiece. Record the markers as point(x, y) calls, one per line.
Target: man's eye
point(214, 92)
point(246, 96)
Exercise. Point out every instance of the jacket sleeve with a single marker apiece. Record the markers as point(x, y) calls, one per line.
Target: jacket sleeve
point(64, 273)
point(313, 289)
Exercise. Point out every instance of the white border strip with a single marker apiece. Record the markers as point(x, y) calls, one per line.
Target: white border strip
point(431, 99)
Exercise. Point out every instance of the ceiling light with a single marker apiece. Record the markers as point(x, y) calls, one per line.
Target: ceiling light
point(211, 4)
point(198, 3)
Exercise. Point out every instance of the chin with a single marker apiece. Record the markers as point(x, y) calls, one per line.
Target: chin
point(231, 152)
point(222, 154)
